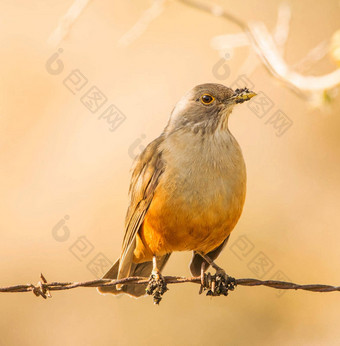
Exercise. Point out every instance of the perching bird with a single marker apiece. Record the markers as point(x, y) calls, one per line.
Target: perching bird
point(187, 189)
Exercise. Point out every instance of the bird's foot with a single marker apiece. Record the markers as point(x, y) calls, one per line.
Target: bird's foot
point(156, 286)
point(218, 284)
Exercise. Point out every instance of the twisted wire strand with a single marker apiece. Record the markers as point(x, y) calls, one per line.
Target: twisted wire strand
point(43, 288)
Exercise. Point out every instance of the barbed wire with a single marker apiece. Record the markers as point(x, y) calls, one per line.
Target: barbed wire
point(43, 288)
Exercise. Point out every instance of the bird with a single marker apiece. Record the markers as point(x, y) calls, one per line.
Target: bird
point(187, 189)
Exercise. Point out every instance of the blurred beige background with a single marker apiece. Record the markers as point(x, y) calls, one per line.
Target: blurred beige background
point(57, 158)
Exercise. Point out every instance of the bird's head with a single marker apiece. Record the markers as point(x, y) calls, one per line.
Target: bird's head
point(207, 107)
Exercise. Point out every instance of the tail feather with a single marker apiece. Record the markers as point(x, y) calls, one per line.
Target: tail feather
point(137, 269)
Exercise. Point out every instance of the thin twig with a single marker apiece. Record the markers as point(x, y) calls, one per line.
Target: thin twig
point(143, 22)
point(264, 45)
point(43, 287)
point(66, 22)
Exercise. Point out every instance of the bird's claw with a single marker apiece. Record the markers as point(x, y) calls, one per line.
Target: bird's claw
point(218, 284)
point(156, 287)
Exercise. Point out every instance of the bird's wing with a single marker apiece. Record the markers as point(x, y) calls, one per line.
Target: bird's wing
point(147, 170)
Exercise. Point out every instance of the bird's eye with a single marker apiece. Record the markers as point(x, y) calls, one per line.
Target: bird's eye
point(207, 99)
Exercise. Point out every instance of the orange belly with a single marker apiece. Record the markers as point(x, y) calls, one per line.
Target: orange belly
point(170, 226)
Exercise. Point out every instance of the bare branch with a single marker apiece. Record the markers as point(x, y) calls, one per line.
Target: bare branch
point(282, 26)
point(314, 55)
point(269, 53)
point(66, 22)
point(143, 22)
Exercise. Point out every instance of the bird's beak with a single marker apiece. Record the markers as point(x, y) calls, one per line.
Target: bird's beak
point(242, 95)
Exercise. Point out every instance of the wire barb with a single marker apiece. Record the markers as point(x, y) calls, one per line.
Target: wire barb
point(43, 288)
